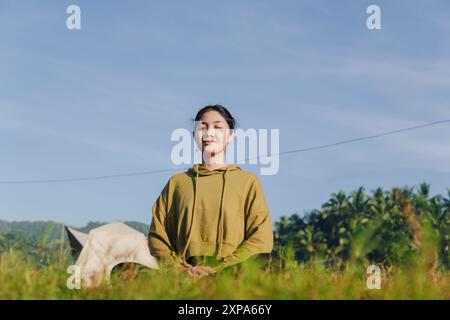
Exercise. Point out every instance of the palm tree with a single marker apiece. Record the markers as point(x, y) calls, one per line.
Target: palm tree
point(424, 190)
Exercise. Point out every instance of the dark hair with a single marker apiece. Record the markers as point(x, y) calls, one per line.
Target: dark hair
point(220, 109)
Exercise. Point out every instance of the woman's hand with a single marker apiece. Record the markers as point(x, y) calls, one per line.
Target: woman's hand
point(198, 272)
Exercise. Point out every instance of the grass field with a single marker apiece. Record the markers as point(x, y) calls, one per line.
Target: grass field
point(273, 279)
point(324, 255)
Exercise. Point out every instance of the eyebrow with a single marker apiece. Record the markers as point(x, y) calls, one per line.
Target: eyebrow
point(214, 121)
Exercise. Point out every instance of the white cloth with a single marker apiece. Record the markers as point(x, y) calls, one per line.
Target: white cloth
point(109, 245)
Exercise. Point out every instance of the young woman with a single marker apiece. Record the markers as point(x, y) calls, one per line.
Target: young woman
point(214, 215)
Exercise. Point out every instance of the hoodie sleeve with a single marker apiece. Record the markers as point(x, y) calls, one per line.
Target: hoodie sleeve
point(258, 228)
point(158, 237)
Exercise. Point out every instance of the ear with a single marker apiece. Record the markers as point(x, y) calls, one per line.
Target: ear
point(232, 134)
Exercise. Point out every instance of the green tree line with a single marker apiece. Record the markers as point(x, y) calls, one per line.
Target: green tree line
point(388, 222)
point(384, 227)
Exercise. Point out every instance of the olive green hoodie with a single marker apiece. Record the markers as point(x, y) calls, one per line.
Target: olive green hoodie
point(221, 213)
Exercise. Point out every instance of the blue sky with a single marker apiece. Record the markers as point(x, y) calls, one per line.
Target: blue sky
point(105, 99)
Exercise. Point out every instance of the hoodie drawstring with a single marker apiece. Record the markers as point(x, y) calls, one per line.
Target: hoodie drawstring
point(220, 234)
point(220, 231)
point(192, 218)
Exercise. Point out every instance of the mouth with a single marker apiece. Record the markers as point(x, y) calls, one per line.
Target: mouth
point(206, 143)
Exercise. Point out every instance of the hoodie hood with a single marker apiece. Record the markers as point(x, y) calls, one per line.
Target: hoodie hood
point(199, 170)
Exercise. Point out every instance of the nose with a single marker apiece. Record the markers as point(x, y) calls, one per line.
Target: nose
point(209, 132)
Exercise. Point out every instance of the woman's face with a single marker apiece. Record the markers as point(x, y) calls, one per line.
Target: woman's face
point(212, 133)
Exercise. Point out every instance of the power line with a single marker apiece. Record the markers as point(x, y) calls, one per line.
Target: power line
point(141, 173)
point(368, 137)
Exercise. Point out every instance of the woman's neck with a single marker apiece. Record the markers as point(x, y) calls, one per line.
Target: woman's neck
point(214, 163)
